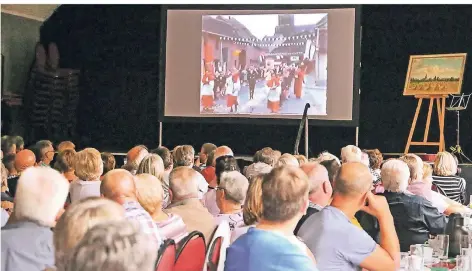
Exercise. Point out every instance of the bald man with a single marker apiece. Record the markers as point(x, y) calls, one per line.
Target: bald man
point(134, 158)
point(118, 185)
point(336, 243)
point(24, 159)
point(320, 190)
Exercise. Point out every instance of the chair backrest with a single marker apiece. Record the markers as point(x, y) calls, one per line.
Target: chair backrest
point(166, 256)
point(214, 254)
point(191, 253)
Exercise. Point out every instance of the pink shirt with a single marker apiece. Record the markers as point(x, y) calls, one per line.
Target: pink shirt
point(173, 228)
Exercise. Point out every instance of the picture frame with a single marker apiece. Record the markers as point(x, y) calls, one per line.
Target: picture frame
point(439, 74)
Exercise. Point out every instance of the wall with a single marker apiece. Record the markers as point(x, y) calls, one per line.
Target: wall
point(19, 37)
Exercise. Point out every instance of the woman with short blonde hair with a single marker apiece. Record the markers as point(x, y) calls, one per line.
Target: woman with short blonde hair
point(78, 219)
point(154, 165)
point(445, 178)
point(88, 167)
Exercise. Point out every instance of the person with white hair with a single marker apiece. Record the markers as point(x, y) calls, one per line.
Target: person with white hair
point(287, 160)
point(351, 153)
point(27, 239)
point(415, 218)
point(115, 245)
point(183, 182)
point(230, 195)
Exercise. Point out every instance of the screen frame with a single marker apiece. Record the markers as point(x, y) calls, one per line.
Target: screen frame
point(260, 121)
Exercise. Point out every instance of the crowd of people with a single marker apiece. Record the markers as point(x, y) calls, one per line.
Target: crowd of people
point(68, 209)
point(279, 81)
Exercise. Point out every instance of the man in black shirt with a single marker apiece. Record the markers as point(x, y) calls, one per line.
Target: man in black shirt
point(252, 79)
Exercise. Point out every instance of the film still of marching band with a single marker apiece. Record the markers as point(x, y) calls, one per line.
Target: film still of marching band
point(264, 64)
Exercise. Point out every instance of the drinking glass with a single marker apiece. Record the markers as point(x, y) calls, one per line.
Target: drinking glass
point(404, 259)
point(464, 242)
point(415, 263)
point(440, 246)
point(462, 263)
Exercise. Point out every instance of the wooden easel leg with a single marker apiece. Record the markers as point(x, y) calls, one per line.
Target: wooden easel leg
point(442, 147)
point(413, 125)
point(428, 120)
point(441, 122)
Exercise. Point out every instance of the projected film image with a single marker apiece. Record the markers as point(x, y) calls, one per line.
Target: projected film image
point(264, 64)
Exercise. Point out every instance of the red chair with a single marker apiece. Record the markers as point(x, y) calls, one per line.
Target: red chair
point(166, 256)
point(191, 253)
point(214, 257)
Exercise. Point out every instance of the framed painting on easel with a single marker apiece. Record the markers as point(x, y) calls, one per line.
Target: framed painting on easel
point(433, 77)
point(435, 74)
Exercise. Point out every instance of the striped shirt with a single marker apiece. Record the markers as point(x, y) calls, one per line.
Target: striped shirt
point(134, 212)
point(452, 187)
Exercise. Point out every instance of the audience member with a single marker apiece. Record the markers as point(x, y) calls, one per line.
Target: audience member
point(332, 166)
point(109, 163)
point(149, 191)
point(206, 149)
point(78, 219)
point(183, 183)
point(65, 145)
point(209, 171)
point(23, 160)
point(153, 164)
point(351, 153)
point(113, 246)
point(281, 200)
point(230, 195)
point(119, 186)
point(287, 160)
point(445, 178)
point(264, 161)
point(339, 245)
point(9, 162)
point(414, 217)
point(65, 162)
point(8, 145)
point(301, 159)
point(88, 167)
point(134, 158)
point(326, 156)
point(19, 143)
point(184, 157)
point(375, 161)
point(168, 161)
point(320, 190)
point(220, 151)
point(27, 239)
point(44, 152)
point(223, 164)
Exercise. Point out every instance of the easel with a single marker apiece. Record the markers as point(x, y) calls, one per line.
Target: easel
point(441, 109)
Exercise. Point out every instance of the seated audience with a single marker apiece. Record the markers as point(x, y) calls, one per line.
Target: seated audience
point(446, 180)
point(320, 190)
point(206, 149)
point(88, 167)
point(301, 159)
point(281, 200)
point(8, 145)
point(230, 195)
point(264, 161)
point(119, 186)
point(44, 152)
point(209, 171)
point(23, 160)
point(168, 161)
point(220, 151)
point(109, 163)
point(184, 157)
point(375, 161)
point(78, 219)
point(65, 161)
point(223, 164)
point(19, 143)
point(326, 156)
point(336, 243)
point(65, 145)
point(149, 191)
point(27, 239)
point(113, 246)
point(351, 153)
point(134, 158)
point(287, 160)
point(183, 183)
point(415, 218)
point(332, 166)
point(153, 164)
